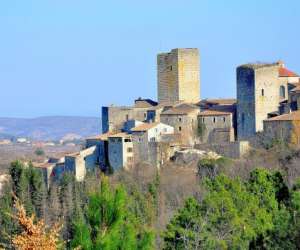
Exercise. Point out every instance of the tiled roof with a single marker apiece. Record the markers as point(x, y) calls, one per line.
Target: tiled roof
point(213, 113)
point(221, 101)
point(102, 137)
point(294, 116)
point(181, 109)
point(119, 135)
point(284, 72)
point(144, 127)
point(73, 154)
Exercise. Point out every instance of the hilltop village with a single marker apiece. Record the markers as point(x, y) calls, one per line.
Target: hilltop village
point(153, 132)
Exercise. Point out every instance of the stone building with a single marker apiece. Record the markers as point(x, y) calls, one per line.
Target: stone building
point(215, 126)
point(260, 89)
point(101, 143)
point(113, 118)
point(120, 151)
point(223, 105)
point(183, 118)
point(284, 127)
point(178, 76)
point(80, 162)
point(148, 143)
point(294, 98)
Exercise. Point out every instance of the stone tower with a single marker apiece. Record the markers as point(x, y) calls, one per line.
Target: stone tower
point(178, 74)
point(260, 89)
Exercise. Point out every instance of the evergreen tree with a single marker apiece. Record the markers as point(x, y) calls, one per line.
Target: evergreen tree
point(109, 224)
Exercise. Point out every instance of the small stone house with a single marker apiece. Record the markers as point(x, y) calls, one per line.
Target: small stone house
point(215, 126)
point(81, 162)
point(148, 143)
point(101, 143)
point(114, 117)
point(284, 127)
point(120, 151)
point(183, 118)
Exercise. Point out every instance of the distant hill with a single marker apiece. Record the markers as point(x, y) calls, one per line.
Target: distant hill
point(50, 127)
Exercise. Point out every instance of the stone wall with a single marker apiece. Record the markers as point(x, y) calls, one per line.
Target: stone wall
point(178, 74)
point(113, 118)
point(267, 93)
point(231, 149)
point(260, 90)
point(185, 125)
point(288, 131)
point(81, 162)
point(120, 153)
point(245, 102)
point(215, 129)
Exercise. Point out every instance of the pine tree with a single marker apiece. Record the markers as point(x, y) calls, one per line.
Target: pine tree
point(109, 224)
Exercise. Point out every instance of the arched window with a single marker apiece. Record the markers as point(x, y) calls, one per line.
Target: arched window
point(282, 91)
point(262, 92)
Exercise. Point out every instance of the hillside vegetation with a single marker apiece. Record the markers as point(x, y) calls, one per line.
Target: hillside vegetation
point(250, 203)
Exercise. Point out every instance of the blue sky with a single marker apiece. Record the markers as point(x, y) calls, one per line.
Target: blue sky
point(69, 57)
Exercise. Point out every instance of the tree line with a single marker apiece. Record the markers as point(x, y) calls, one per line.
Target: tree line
point(261, 212)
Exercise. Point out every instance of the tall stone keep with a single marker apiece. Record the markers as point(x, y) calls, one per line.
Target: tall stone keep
point(261, 88)
point(178, 74)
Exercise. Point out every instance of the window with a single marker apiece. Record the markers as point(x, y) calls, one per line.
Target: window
point(170, 68)
point(145, 115)
point(119, 140)
point(127, 140)
point(129, 150)
point(129, 159)
point(282, 91)
point(214, 119)
point(179, 128)
point(140, 139)
point(127, 117)
point(179, 119)
point(262, 92)
point(203, 120)
point(224, 119)
point(152, 139)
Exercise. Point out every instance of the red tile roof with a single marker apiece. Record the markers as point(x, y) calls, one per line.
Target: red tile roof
point(284, 72)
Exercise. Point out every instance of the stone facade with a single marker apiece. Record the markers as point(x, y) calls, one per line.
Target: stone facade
point(148, 141)
point(101, 153)
point(260, 89)
point(81, 162)
point(178, 75)
point(285, 127)
point(235, 149)
point(113, 118)
point(215, 126)
point(183, 118)
point(120, 151)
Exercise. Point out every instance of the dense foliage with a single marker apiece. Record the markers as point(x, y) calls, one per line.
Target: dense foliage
point(109, 223)
point(258, 211)
point(258, 214)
